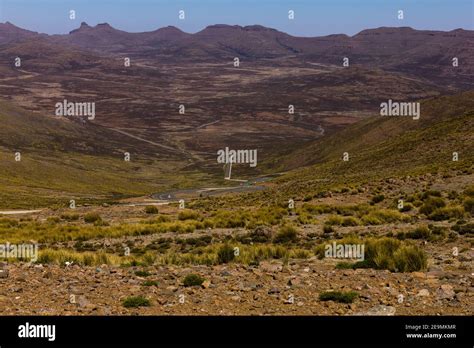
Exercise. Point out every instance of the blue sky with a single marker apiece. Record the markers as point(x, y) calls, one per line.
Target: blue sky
point(312, 17)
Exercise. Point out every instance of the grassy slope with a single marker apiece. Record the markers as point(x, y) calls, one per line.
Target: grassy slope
point(62, 160)
point(380, 148)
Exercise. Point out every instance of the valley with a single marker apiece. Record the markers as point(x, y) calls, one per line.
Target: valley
point(132, 206)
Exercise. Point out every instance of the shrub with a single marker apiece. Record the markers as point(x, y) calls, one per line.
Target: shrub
point(91, 218)
point(150, 283)
point(469, 205)
point(70, 217)
point(350, 221)
point(344, 265)
point(377, 199)
point(410, 258)
point(151, 209)
point(431, 204)
point(188, 215)
point(379, 253)
point(391, 254)
point(328, 229)
point(446, 213)
point(339, 296)
point(136, 301)
point(406, 207)
point(430, 193)
point(380, 216)
point(469, 191)
point(286, 234)
point(422, 232)
point(334, 220)
point(142, 273)
point(193, 280)
point(225, 254)
point(464, 229)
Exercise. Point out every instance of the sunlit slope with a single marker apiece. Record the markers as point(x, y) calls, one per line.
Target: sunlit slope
point(63, 160)
point(384, 147)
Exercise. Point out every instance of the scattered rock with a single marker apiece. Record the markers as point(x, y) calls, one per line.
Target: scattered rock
point(271, 267)
point(380, 310)
point(445, 292)
point(3, 273)
point(423, 293)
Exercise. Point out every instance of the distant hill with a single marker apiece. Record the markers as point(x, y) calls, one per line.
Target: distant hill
point(423, 53)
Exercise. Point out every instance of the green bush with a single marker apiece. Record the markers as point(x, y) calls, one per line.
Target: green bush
point(225, 254)
point(381, 216)
point(334, 220)
point(464, 228)
point(142, 273)
point(406, 207)
point(431, 204)
point(430, 193)
point(339, 296)
point(328, 229)
point(391, 254)
point(469, 205)
point(136, 301)
point(188, 215)
point(422, 232)
point(350, 221)
point(91, 218)
point(150, 283)
point(409, 258)
point(469, 192)
point(446, 213)
point(193, 280)
point(70, 217)
point(286, 234)
point(151, 209)
point(377, 199)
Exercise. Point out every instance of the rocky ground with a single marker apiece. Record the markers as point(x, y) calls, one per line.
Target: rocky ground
point(271, 288)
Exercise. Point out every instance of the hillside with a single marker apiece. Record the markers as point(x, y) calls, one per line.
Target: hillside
point(385, 147)
point(63, 160)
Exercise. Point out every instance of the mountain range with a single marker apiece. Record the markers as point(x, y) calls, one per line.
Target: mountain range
point(419, 52)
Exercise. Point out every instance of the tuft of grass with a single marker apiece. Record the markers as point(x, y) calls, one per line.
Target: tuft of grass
point(431, 204)
point(225, 254)
point(339, 296)
point(91, 218)
point(446, 213)
point(385, 253)
point(151, 209)
point(422, 232)
point(70, 217)
point(136, 301)
point(469, 205)
point(193, 280)
point(188, 215)
point(409, 258)
point(328, 229)
point(377, 199)
point(150, 283)
point(142, 273)
point(286, 234)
